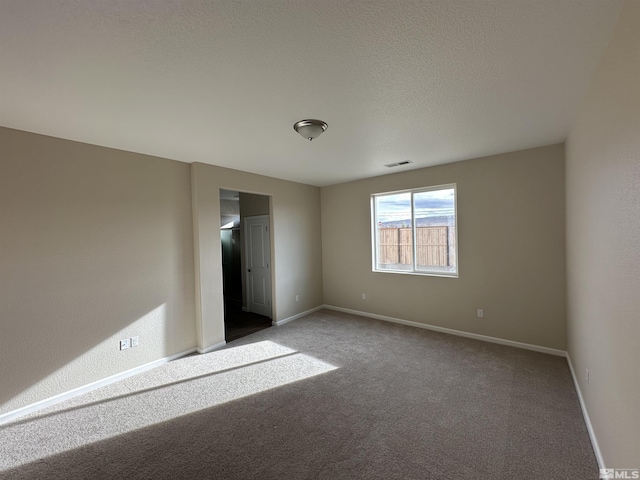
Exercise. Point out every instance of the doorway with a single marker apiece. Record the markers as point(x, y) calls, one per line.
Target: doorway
point(246, 239)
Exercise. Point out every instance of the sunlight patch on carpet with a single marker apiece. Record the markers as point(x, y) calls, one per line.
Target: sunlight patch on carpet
point(170, 391)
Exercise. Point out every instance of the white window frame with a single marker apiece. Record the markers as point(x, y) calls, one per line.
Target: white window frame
point(414, 270)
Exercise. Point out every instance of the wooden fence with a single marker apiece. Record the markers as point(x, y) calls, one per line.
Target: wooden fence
point(434, 246)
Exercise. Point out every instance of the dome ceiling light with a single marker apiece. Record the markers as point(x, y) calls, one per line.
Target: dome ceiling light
point(310, 129)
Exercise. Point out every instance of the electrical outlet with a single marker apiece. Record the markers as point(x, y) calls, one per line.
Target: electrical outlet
point(297, 298)
point(124, 344)
point(480, 313)
point(135, 341)
point(364, 296)
point(587, 375)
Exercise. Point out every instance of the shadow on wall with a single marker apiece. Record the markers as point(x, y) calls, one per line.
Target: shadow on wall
point(65, 356)
point(96, 244)
point(79, 305)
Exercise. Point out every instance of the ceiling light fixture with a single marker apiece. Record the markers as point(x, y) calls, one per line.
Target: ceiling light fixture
point(310, 129)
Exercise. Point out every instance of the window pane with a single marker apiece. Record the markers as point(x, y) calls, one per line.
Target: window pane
point(394, 237)
point(435, 225)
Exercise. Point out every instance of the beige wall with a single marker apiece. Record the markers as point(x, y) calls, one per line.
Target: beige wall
point(296, 244)
point(251, 204)
point(603, 246)
point(511, 249)
point(95, 246)
point(98, 244)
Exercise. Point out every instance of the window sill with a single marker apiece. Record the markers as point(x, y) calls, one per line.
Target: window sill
point(419, 274)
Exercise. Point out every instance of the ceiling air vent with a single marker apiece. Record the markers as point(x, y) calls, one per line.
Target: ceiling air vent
point(397, 164)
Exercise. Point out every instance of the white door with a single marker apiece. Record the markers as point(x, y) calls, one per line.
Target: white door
point(258, 264)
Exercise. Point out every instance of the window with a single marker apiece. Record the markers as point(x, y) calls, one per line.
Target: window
point(414, 231)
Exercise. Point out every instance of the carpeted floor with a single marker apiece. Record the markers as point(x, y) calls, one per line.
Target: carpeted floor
point(329, 396)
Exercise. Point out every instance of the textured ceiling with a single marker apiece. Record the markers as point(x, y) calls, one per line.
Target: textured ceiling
point(222, 82)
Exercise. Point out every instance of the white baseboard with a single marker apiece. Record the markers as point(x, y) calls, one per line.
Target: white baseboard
point(277, 323)
point(211, 348)
point(460, 333)
point(585, 414)
point(7, 417)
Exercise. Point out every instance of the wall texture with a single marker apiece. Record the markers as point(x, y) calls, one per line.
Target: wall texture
point(296, 245)
point(95, 245)
point(603, 245)
point(511, 249)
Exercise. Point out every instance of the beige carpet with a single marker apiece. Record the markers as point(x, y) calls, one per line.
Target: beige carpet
point(329, 396)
